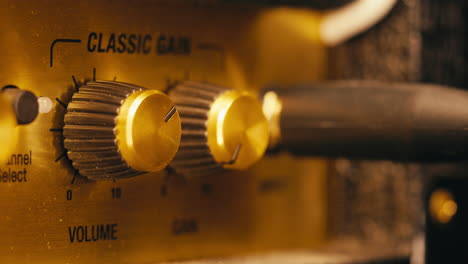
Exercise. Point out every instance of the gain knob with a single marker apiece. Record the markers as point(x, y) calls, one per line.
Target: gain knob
point(221, 129)
point(117, 130)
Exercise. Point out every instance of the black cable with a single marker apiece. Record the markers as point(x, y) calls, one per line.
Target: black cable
point(375, 120)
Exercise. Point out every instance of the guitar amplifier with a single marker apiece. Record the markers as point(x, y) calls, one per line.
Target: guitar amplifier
point(55, 212)
point(196, 132)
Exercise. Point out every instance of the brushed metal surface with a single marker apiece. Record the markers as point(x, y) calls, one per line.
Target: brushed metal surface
point(280, 203)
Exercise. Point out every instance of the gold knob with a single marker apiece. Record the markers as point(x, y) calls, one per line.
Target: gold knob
point(117, 130)
point(237, 130)
point(148, 130)
point(8, 132)
point(221, 129)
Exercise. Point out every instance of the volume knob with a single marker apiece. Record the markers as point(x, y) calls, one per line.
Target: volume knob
point(116, 130)
point(221, 129)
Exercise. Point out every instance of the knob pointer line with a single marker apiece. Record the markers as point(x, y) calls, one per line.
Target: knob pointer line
point(235, 155)
point(169, 114)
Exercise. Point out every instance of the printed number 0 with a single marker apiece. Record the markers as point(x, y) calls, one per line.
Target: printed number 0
point(116, 193)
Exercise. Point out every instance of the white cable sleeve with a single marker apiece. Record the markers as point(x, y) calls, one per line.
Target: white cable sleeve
point(343, 23)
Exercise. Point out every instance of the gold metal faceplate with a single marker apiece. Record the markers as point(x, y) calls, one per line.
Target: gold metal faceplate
point(53, 215)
